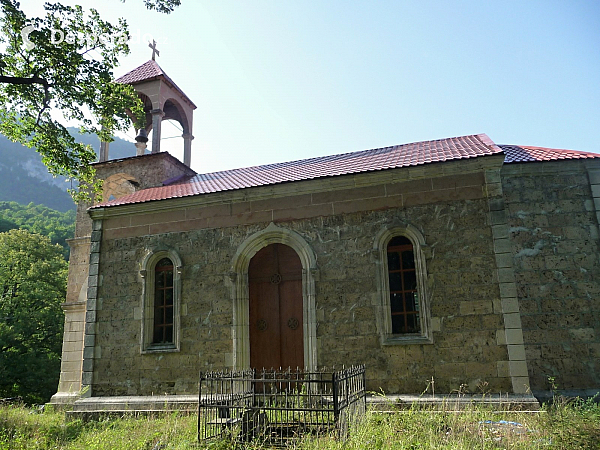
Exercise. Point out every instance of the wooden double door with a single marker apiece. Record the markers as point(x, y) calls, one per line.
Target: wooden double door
point(276, 311)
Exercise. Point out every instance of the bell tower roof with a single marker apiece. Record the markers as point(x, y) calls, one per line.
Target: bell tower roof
point(151, 71)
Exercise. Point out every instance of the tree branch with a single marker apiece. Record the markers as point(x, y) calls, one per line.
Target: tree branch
point(32, 80)
point(22, 80)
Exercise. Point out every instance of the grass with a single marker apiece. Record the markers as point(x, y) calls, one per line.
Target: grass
point(564, 425)
point(22, 428)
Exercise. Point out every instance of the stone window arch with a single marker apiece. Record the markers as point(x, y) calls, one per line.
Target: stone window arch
point(404, 304)
point(161, 302)
point(118, 185)
point(240, 291)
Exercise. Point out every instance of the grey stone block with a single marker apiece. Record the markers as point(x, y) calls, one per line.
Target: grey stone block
point(496, 204)
point(498, 217)
point(90, 316)
point(86, 378)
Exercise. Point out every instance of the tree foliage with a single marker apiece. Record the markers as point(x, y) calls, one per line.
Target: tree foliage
point(57, 226)
point(64, 61)
point(32, 287)
point(163, 6)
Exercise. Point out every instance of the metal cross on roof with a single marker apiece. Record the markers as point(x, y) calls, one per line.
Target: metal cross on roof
point(153, 47)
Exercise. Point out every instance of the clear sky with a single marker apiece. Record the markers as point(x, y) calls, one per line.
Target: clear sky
point(279, 80)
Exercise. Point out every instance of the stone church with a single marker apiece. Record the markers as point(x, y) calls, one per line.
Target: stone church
point(458, 260)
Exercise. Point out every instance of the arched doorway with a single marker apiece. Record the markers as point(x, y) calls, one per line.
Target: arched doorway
point(276, 308)
point(240, 292)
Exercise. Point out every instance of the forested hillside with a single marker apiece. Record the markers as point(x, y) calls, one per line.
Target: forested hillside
point(24, 179)
point(57, 226)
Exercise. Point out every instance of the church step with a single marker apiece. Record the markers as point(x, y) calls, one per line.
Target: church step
point(455, 402)
point(145, 405)
point(138, 403)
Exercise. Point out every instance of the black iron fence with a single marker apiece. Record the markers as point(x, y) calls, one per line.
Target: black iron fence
point(277, 406)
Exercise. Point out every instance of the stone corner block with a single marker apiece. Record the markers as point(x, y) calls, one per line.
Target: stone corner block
point(493, 190)
point(496, 204)
point(521, 385)
point(500, 231)
point(88, 352)
point(504, 259)
point(89, 340)
point(497, 217)
point(518, 369)
point(513, 336)
point(88, 365)
point(506, 275)
point(508, 290)
point(512, 320)
point(93, 281)
point(502, 245)
point(492, 176)
point(86, 378)
point(510, 305)
point(516, 352)
point(90, 316)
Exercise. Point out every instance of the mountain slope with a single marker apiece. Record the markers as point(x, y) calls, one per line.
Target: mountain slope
point(24, 179)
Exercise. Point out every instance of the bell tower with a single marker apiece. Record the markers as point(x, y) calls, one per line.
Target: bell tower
point(163, 100)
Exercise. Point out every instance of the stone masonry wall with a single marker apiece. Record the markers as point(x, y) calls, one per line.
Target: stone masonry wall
point(149, 170)
point(340, 226)
point(554, 233)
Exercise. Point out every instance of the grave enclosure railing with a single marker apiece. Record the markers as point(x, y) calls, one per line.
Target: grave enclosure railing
point(279, 406)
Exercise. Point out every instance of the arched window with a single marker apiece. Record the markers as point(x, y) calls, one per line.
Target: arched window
point(404, 295)
point(161, 302)
point(402, 284)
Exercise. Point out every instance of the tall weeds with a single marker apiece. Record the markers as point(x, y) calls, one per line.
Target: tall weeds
point(560, 425)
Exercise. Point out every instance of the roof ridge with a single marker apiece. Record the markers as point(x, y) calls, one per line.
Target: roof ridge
point(356, 152)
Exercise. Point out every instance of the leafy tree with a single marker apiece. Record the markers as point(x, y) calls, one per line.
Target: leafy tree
point(39, 71)
point(163, 6)
point(57, 226)
point(32, 287)
point(6, 225)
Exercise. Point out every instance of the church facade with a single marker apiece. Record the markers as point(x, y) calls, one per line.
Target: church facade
point(458, 262)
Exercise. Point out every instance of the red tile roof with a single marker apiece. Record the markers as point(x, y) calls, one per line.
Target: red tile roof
point(406, 155)
point(525, 153)
point(148, 71)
